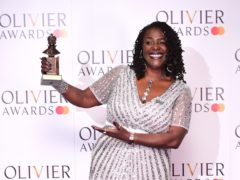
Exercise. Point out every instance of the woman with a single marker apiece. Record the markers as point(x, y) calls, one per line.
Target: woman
point(148, 108)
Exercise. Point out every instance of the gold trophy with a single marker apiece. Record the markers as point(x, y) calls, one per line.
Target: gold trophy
point(52, 77)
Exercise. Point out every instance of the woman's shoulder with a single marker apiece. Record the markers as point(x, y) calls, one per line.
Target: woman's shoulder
point(121, 68)
point(117, 71)
point(184, 88)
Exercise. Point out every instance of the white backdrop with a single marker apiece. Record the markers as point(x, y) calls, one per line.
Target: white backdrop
point(44, 137)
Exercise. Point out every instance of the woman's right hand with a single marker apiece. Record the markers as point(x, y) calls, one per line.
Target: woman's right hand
point(45, 65)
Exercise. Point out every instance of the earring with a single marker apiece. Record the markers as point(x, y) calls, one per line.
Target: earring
point(145, 65)
point(169, 68)
point(141, 54)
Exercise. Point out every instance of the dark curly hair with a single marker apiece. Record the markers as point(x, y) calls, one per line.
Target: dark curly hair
point(173, 66)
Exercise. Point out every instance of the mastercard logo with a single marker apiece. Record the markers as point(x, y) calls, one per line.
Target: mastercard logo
point(218, 107)
point(217, 30)
point(60, 33)
point(62, 110)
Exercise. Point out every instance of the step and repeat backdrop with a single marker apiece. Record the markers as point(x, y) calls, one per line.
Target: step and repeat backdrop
point(42, 136)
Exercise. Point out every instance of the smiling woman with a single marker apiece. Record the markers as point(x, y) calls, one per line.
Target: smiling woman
point(148, 108)
point(154, 48)
point(168, 45)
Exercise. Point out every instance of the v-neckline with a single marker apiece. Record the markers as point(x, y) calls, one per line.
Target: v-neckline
point(153, 99)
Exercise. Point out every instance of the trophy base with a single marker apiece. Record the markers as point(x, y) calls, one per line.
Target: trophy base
point(49, 79)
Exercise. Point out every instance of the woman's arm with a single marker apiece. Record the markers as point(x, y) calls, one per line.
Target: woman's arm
point(81, 98)
point(170, 139)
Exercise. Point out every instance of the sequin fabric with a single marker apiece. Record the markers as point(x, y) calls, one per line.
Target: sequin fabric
point(113, 159)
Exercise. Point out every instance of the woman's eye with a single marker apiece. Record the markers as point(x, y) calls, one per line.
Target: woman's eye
point(163, 42)
point(148, 42)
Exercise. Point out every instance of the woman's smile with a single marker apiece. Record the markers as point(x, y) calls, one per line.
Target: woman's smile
point(154, 48)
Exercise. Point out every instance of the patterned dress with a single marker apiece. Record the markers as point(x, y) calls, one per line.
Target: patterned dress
point(118, 160)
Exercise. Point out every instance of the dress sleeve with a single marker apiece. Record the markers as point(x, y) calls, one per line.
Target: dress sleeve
point(182, 109)
point(102, 88)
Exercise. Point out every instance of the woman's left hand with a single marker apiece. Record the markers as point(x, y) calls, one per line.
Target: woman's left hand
point(117, 132)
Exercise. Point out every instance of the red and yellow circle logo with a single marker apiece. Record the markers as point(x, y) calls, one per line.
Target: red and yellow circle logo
point(60, 33)
point(218, 107)
point(217, 30)
point(62, 110)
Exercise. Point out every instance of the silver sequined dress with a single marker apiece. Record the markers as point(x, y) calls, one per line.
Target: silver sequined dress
point(116, 159)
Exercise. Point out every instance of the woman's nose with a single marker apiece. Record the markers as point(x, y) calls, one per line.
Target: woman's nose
point(156, 46)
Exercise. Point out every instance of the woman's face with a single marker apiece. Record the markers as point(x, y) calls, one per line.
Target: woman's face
point(154, 48)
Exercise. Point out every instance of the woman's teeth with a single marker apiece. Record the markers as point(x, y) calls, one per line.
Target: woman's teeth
point(155, 55)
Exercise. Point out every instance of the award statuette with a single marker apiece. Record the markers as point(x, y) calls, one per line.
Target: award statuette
point(52, 77)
